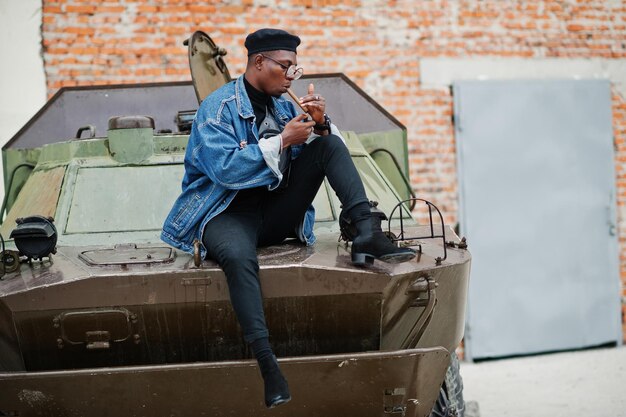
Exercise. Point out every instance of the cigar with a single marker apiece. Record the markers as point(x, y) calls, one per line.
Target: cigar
point(296, 99)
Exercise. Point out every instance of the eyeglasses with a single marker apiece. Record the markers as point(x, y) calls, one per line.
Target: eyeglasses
point(291, 71)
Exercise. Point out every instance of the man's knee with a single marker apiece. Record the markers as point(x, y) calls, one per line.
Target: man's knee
point(332, 141)
point(233, 257)
point(330, 144)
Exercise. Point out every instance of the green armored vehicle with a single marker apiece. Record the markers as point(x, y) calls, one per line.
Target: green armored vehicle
point(99, 317)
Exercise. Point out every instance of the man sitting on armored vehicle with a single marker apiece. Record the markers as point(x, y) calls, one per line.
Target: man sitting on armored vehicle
point(252, 169)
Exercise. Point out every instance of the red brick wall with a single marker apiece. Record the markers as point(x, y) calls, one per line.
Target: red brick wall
point(619, 129)
point(377, 43)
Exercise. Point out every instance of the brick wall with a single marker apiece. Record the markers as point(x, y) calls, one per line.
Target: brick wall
point(377, 43)
point(619, 128)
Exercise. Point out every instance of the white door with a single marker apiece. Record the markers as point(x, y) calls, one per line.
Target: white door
point(537, 194)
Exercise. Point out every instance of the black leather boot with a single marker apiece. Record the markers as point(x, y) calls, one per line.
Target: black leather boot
point(276, 388)
point(371, 243)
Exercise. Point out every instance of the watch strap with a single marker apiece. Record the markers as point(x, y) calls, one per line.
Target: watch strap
point(325, 125)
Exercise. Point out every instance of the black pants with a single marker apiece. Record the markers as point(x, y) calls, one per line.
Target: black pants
point(258, 217)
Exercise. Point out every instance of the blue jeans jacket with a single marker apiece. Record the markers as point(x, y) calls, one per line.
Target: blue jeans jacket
point(223, 157)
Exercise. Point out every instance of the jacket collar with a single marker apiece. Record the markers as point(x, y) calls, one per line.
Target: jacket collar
point(244, 106)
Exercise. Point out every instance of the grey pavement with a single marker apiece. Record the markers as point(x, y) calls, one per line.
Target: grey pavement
point(590, 383)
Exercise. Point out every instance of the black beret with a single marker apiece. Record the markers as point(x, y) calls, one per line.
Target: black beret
point(271, 40)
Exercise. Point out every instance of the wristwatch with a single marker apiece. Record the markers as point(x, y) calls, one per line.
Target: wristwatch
point(325, 125)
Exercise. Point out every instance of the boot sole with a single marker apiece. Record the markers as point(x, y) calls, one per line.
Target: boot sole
point(280, 402)
point(364, 259)
point(397, 258)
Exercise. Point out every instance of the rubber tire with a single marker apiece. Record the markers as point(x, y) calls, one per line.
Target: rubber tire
point(450, 401)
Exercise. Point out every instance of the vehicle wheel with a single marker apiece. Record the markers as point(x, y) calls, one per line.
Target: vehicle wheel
point(450, 401)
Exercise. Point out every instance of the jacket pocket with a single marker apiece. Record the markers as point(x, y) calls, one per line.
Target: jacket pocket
point(187, 212)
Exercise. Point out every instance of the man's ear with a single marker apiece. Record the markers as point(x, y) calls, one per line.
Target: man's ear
point(258, 62)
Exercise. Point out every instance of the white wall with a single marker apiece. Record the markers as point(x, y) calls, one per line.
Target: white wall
point(22, 79)
point(442, 72)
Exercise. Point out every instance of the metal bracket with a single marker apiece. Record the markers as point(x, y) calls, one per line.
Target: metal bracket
point(394, 401)
point(98, 339)
point(461, 245)
point(90, 128)
point(401, 237)
point(197, 260)
point(96, 329)
point(421, 286)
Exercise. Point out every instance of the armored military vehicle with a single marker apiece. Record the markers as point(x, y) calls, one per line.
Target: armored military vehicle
point(99, 317)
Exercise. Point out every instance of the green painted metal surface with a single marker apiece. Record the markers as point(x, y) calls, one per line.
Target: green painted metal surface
point(393, 141)
point(122, 198)
point(123, 186)
point(131, 145)
point(17, 165)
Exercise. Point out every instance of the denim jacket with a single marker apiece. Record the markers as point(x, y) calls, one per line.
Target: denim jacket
point(222, 157)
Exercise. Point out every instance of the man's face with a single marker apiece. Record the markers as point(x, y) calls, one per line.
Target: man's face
point(275, 63)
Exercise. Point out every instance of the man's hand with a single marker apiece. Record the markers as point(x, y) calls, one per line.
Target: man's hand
point(297, 131)
point(314, 104)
